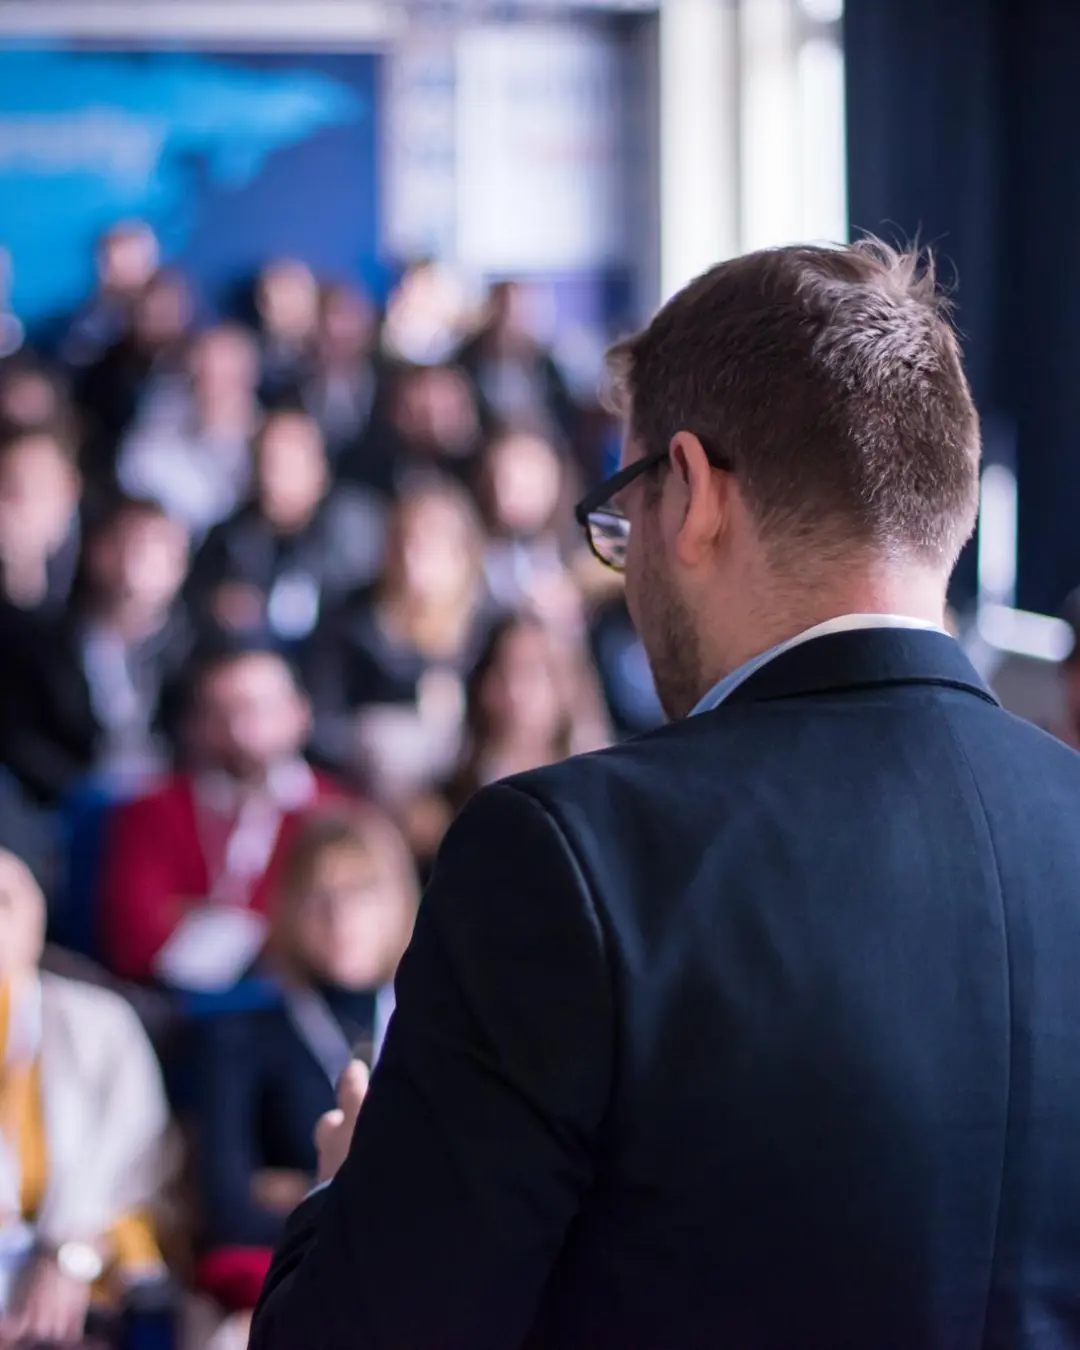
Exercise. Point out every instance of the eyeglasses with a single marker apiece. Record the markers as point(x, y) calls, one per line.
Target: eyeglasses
point(606, 527)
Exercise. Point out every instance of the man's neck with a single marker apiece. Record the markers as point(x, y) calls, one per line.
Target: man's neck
point(788, 612)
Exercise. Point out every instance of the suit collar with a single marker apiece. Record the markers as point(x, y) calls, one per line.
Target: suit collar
point(863, 659)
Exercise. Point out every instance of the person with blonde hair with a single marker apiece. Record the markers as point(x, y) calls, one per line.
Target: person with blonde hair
point(84, 1126)
point(343, 916)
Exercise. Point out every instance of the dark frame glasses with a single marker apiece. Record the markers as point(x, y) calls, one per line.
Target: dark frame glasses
point(606, 528)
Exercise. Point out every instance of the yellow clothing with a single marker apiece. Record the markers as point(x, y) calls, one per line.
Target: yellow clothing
point(22, 1120)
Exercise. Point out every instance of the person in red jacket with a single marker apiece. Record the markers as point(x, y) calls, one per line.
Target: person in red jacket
point(190, 866)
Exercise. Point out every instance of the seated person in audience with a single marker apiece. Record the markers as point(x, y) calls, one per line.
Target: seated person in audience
point(300, 546)
point(190, 445)
point(111, 389)
point(1068, 728)
point(516, 379)
point(521, 492)
point(85, 1135)
point(287, 311)
point(425, 314)
point(339, 391)
point(426, 423)
point(126, 258)
point(190, 867)
point(91, 689)
point(39, 520)
point(387, 668)
point(342, 918)
point(532, 699)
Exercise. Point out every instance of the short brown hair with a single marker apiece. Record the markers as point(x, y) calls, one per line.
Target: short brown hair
point(831, 381)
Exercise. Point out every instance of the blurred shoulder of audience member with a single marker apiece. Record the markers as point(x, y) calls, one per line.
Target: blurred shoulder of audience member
point(388, 667)
point(425, 314)
point(300, 545)
point(190, 446)
point(191, 864)
point(521, 493)
point(516, 378)
point(132, 636)
point(341, 920)
point(287, 306)
point(39, 519)
point(339, 392)
point(112, 387)
point(87, 1132)
point(530, 700)
point(126, 257)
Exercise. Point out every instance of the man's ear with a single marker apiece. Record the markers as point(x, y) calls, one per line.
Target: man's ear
point(704, 499)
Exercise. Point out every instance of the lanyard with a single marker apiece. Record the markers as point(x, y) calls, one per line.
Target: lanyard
point(321, 1032)
point(23, 1047)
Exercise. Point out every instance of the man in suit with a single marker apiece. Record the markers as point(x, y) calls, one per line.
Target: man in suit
point(762, 1030)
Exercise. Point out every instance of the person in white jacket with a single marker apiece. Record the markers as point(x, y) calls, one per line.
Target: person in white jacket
point(84, 1136)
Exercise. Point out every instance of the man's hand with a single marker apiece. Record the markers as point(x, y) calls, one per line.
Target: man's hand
point(334, 1132)
point(52, 1309)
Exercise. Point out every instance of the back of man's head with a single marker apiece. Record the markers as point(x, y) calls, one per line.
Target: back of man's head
point(830, 381)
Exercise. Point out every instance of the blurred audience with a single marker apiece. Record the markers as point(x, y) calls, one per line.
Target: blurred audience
point(301, 545)
point(342, 917)
point(425, 314)
point(531, 699)
point(190, 445)
point(191, 865)
point(39, 521)
point(339, 389)
point(521, 494)
point(388, 666)
point(516, 378)
point(85, 1136)
point(92, 687)
point(287, 305)
point(111, 388)
point(127, 257)
point(191, 524)
point(427, 423)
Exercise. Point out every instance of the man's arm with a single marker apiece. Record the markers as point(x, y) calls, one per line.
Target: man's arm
point(474, 1147)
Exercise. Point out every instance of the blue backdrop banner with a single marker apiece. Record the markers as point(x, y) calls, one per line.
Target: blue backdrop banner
point(232, 158)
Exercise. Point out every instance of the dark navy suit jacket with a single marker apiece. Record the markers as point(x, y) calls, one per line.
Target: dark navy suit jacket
point(761, 1032)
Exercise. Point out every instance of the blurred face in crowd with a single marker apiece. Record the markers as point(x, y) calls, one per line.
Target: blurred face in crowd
point(351, 922)
point(39, 492)
point(225, 364)
point(1070, 675)
point(291, 469)
point(127, 258)
point(250, 716)
point(22, 918)
point(139, 560)
point(163, 312)
point(433, 550)
point(520, 697)
point(29, 398)
point(288, 300)
point(434, 410)
point(525, 481)
point(346, 326)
